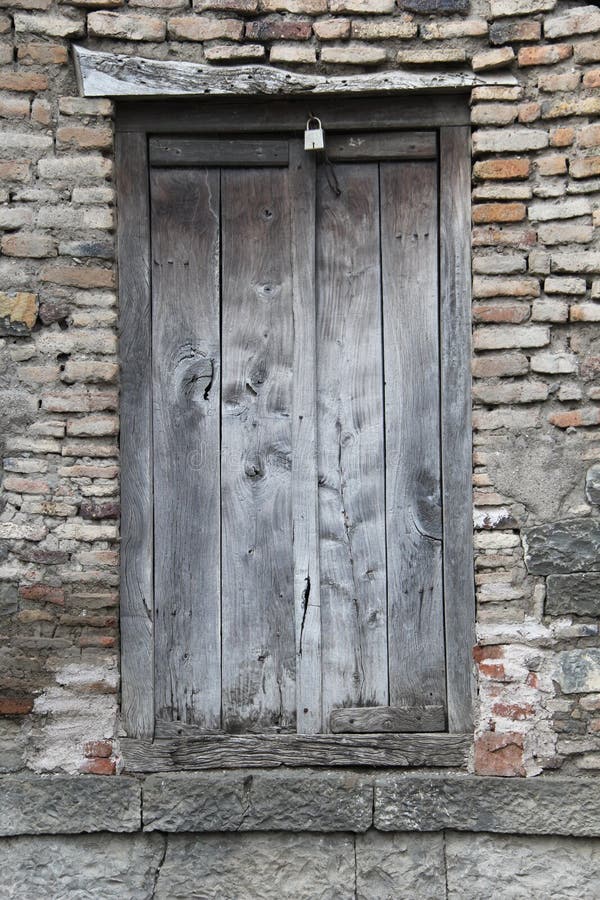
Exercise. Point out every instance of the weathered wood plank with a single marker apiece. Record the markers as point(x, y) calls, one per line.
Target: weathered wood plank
point(259, 658)
point(271, 751)
point(111, 75)
point(186, 377)
point(363, 146)
point(455, 255)
point(226, 116)
point(370, 719)
point(409, 235)
point(137, 675)
point(305, 529)
point(350, 430)
point(181, 151)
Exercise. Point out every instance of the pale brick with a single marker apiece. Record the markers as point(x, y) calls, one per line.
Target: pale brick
point(307, 7)
point(554, 363)
point(581, 20)
point(500, 365)
point(23, 81)
point(440, 31)
point(41, 112)
point(93, 426)
point(552, 165)
point(50, 26)
point(25, 142)
point(224, 52)
point(17, 107)
point(584, 168)
point(496, 92)
point(500, 190)
point(332, 29)
point(499, 394)
point(197, 28)
point(567, 209)
point(15, 170)
point(78, 276)
point(83, 532)
point(589, 136)
point(84, 138)
point(529, 112)
point(369, 7)
point(552, 82)
point(570, 286)
point(384, 29)
point(431, 57)
point(587, 52)
point(509, 140)
point(84, 106)
point(507, 337)
point(489, 286)
point(585, 312)
point(493, 59)
point(505, 417)
point(12, 217)
point(497, 264)
point(127, 27)
point(502, 8)
point(26, 244)
point(576, 262)
point(546, 310)
point(494, 114)
point(565, 234)
point(292, 54)
point(353, 55)
point(241, 6)
point(586, 106)
point(77, 168)
point(16, 532)
point(76, 218)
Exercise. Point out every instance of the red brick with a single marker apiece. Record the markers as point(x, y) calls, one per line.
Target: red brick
point(576, 418)
point(46, 593)
point(84, 138)
point(562, 137)
point(516, 712)
point(496, 312)
point(98, 766)
point(529, 112)
point(97, 749)
point(21, 81)
point(97, 641)
point(79, 276)
point(499, 754)
point(544, 56)
point(15, 170)
point(502, 169)
point(15, 706)
point(43, 54)
point(591, 79)
point(279, 30)
point(499, 212)
point(492, 652)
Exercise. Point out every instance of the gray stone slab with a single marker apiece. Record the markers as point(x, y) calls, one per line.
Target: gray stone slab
point(82, 867)
point(592, 484)
point(562, 806)
point(578, 671)
point(563, 547)
point(577, 594)
point(392, 865)
point(62, 804)
point(304, 800)
point(522, 868)
point(253, 866)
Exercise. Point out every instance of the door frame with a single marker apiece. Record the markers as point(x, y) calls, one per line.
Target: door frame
point(179, 746)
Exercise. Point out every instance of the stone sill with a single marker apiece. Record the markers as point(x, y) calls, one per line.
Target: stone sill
point(296, 801)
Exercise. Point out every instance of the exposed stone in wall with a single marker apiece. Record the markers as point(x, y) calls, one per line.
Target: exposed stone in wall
point(536, 314)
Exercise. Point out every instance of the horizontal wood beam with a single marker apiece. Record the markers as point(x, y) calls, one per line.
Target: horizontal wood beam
point(396, 719)
point(182, 151)
point(270, 751)
point(112, 75)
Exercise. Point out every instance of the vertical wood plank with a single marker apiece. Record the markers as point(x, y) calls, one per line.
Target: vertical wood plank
point(259, 654)
point(137, 701)
point(186, 372)
point(307, 579)
point(409, 242)
point(455, 222)
point(350, 438)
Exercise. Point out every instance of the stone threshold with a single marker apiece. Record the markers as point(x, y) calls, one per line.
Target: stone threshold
point(113, 75)
point(298, 801)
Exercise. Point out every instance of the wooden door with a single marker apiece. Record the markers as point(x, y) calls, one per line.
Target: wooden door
point(298, 426)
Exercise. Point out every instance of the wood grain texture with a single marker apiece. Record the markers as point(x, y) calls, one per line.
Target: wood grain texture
point(365, 146)
point(111, 75)
point(350, 437)
point(258, 617)
point(186, 378)
point(455, 255)
point(372, 719)
point(409, 243)
point(185, 151)
point(227, 116)
point(271, 751)
point(137, 676)
point(307, 578)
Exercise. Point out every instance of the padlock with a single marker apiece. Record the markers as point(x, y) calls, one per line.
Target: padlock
point(314, 136)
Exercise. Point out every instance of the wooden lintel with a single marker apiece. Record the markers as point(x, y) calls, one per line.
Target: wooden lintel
point(113, 75)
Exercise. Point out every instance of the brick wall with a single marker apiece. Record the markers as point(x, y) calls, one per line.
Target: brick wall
point(536, 314)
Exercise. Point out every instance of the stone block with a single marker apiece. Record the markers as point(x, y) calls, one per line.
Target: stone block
point(580, 20)
point(563, 547)
point(441, 7)
point(66, 805)
point(108, 866)
point(578, 671)
point(400, 865)
point(561, 806)
point(491, 866)
point(266, 866)
point(18, 313)
point(592, 487)
point(257, 801)
point(577, 594)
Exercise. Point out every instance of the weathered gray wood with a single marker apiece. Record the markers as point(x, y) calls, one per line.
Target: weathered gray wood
point(186, 378)
point(372, 719)
point(258, 617)
point(455, 261)
point(137, 676)
point(111, 75)
point(305, 531)
point(363, 146)
point(230, 115)
point(351, 450)
point(412, 426)
point(270, 751)
point(181, 151)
